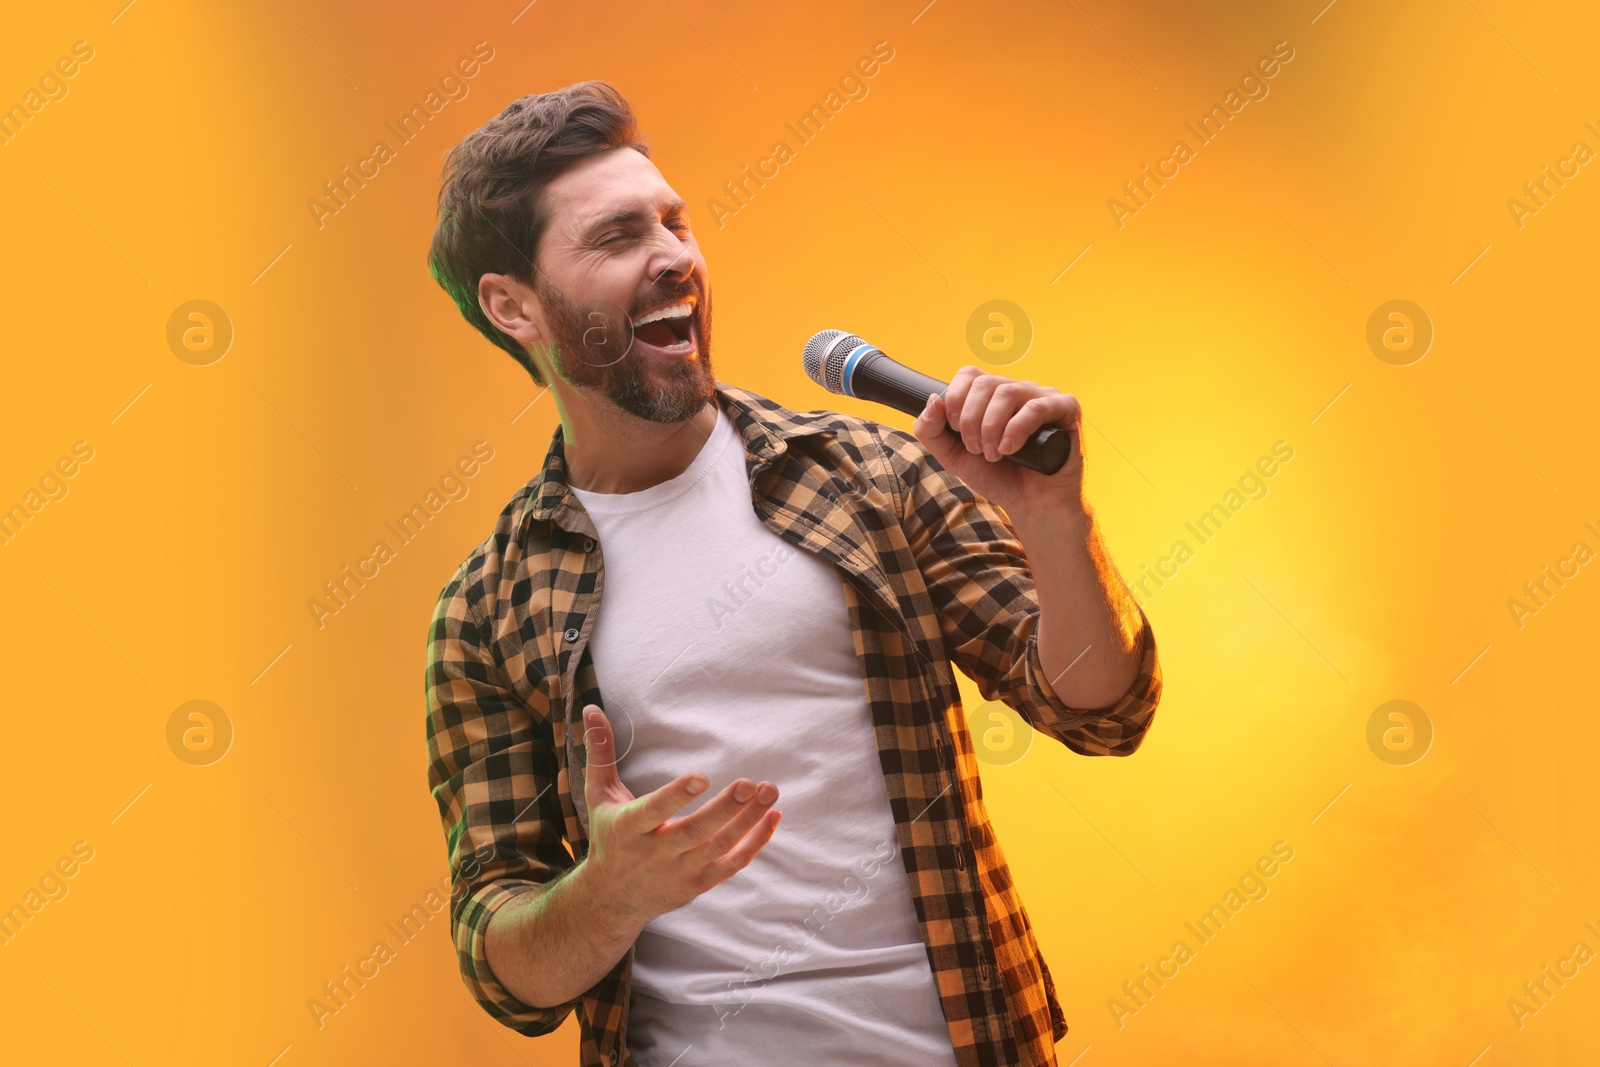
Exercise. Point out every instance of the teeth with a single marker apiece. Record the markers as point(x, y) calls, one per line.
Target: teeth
point(673, 311)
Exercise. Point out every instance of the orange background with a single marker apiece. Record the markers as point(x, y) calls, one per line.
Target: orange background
point(1224, 316)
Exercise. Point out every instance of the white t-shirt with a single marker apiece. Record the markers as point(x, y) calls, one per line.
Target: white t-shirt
point(720, 647)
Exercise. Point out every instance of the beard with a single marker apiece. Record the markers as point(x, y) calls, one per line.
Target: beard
point(593, 350)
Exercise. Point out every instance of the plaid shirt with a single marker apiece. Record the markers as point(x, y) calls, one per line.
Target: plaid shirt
point(933, 575)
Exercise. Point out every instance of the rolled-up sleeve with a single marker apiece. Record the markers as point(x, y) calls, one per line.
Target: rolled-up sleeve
point(492, 771)
point(976, 571)
point(1114, 731)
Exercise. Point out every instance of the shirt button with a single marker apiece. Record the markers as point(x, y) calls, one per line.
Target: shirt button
point(983, 974)
point(588, 544)
point(961, 858)
point(613, 1058)
point(571, 634)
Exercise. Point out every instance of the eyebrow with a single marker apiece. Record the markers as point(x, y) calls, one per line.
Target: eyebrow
point(630, 215)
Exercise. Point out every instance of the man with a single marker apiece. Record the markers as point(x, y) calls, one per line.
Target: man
point(784, 595)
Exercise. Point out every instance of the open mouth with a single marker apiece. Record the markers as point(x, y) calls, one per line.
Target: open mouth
point(668, 331)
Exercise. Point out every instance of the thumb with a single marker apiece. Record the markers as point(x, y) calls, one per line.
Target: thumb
point(600, 750)
point(932, 428)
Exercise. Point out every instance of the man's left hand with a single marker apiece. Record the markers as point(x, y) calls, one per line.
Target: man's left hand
point(995, 415)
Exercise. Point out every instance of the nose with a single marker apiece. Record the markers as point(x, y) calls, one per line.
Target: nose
point(672, 258)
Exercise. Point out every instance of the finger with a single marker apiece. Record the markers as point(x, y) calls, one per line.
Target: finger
point(1007, 399)
point(973, 408)
point(599, 749)
point(723, 830)
point(955, 394)
point(1051, 409)
point(600, 752)
point(739, 856)
point(694, 829)
point(932, 429)
point(659, 805)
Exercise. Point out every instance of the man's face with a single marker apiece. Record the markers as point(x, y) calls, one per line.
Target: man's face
point(616, 250)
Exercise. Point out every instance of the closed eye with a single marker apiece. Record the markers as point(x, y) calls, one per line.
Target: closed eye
point(679, 224)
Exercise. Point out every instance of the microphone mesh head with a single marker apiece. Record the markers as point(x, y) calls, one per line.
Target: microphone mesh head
point(825, 356)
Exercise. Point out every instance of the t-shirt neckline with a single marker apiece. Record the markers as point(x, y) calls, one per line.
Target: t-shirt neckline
point(662, 492)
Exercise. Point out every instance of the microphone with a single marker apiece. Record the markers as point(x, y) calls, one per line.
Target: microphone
point(845, 364)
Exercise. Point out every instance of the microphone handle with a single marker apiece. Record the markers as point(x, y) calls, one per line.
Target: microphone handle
point(880, 379)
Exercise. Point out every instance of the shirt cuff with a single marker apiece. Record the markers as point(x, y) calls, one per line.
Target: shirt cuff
point(472, 949)
point(1113, 731)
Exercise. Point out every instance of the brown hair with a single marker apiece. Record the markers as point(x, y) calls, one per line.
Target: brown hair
point(491, 213)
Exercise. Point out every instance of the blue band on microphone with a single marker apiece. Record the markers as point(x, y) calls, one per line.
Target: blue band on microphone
point(850, 362)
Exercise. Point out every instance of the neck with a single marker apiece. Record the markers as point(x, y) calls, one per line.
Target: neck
point(608, 450)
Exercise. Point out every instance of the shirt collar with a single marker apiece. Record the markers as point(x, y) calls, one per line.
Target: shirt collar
point(764, 426)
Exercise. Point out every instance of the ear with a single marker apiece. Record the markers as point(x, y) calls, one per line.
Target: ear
point(512, 306)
